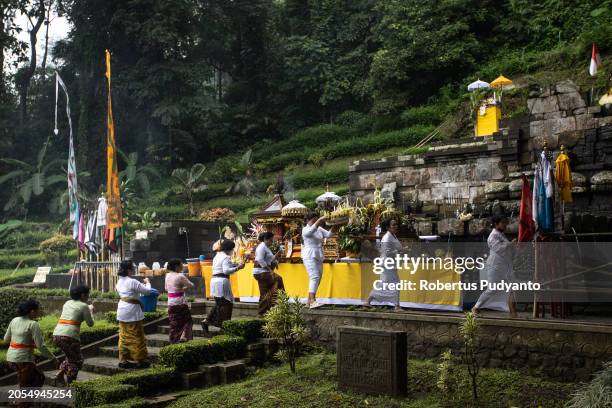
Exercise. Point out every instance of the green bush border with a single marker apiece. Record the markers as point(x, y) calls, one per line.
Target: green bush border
point(249, 329)
point(190, 355)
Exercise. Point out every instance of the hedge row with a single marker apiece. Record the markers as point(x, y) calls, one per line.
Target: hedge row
point(249, 329)
point(113, 389)
point(11, 260)
point(10, 298)
point(111, 317)
point(190, 355)
point(19, 277)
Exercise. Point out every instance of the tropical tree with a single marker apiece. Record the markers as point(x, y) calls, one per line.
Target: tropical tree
point(189, 182)
point(31, 179)
point(138, 174)
point(243, 172)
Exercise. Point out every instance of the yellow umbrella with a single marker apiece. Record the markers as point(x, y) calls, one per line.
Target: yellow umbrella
point(500, 82)
point(606, 99)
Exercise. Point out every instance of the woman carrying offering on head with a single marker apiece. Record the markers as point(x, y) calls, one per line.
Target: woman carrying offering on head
point(132, 343)
point(66, 335)
point(179, 315)
point(23, 335)
point(313, 236)
point(220, 287)
point(499, 268)
point(263, 272)
point(390, 246)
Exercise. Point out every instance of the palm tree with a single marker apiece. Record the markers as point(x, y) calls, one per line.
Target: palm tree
point(189, 182)
point(245, 183)
point(31, 179)
point(135, 173)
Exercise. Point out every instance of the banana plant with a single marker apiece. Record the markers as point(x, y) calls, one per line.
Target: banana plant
point(244, 171)
point(188, 182)
point(138, 174)
point(31, 179)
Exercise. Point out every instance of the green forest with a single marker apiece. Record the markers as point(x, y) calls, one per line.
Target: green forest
point(213, 99)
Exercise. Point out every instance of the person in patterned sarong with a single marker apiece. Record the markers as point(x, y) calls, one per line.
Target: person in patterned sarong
point(23, 335)
point(179, 314)
point(263, 271)
point(66, 335)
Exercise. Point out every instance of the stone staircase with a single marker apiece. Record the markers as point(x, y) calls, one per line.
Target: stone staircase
point(105, 363)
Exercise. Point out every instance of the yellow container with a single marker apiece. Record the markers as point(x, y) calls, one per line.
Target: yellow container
point(193, 265)
point(206, 268)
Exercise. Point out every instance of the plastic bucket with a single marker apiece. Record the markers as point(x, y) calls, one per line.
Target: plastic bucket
point(149, 303)
point(193, 265)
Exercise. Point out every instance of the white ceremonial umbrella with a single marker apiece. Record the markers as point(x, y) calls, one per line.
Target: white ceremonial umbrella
point(327, 197)
point(478, 85)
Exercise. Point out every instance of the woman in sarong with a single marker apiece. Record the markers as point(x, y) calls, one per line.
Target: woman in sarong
point(390, 246)
point(66, 335)
point(499, 268)
point(263, 272)
point(23, 335)
point(220, 287)
point(179, 315)
point(132, 343)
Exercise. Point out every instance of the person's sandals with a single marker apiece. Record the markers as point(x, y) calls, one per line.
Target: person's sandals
point(59, 380)
point(126, 365)
point(315, 304)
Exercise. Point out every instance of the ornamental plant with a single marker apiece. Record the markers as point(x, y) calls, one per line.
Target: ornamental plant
point(285, 322)
point(55, 249)
point(218, 215)
point(470, 331)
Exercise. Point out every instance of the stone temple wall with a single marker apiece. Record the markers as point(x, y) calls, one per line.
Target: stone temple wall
point(486, 171)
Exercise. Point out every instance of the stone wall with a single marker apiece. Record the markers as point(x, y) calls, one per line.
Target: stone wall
point(565, 351)
point(170, 241)
point(486, 171)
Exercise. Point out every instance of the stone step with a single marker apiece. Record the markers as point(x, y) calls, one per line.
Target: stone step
point(83, 376)
point(214, 374)
point(197, 330)
point(113, 351)
point(103, 365)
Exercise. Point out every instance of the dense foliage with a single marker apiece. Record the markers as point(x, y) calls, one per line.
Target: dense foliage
point(210, 81)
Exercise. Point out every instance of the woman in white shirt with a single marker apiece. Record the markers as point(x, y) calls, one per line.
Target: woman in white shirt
point(313, 236)
point(390, 246)
point(132, 342)
point(263, 272)
point(220, 287)
point(179, 315)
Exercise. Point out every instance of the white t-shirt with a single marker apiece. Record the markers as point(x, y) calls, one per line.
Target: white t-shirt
point(264, 257)
point(130, 288)
point(312, 239)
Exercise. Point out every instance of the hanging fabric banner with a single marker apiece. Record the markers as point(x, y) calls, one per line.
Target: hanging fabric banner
point(73, 201)
point(113, 196)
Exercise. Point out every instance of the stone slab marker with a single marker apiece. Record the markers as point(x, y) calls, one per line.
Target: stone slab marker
point(372, 361)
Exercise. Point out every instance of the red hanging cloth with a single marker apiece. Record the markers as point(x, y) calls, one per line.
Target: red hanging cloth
point(526, 224)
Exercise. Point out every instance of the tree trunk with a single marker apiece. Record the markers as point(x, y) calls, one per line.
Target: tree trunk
point(3, 37)
point(47, 23)
point(26, 74)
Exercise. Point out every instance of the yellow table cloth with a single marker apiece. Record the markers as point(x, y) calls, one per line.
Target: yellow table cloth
point(350, 284)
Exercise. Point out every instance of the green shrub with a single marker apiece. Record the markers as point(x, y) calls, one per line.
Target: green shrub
point(149, 381)
point(105, 390)
point(21, 276)
point(375, 142)
point(249, 329)
point(350, 118)
point(421, 115)
point(320, 177)
point(9, 300)
point(189, 356)
point(111, 317)
point(100, 391)
point(137, 402)
point(56, 248)
point(386, 123)
point(12, 259)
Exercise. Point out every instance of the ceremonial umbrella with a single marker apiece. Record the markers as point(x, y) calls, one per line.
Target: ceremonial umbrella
point(500, 82)
point(328, 197)
point(478, 85)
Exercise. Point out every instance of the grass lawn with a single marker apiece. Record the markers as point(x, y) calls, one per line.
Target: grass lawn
point(315, 386)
